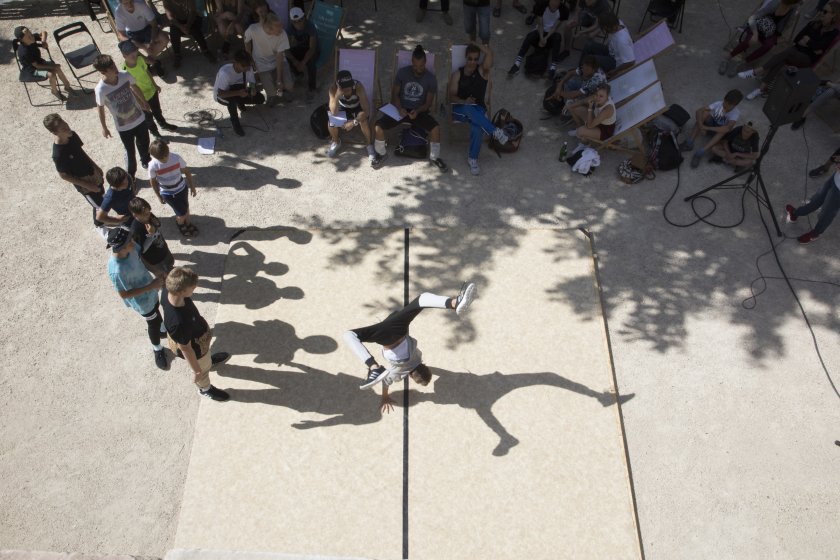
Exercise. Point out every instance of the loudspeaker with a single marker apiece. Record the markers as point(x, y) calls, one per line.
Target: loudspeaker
point(790, 95)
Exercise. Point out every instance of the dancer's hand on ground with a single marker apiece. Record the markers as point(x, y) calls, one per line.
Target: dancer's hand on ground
point(386, 405)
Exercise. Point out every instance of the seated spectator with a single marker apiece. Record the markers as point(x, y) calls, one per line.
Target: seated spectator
point(231, 90)
point(762, 31)
point(134, 20)
point(549, 15)
point(136, 65)
point(469, 88)
point(74, 165)
point(145, 230)
point(829, 90)
point(825, 167)
point(808, 46)
point(827, 199)
point(184, 19)
point(171, 178)
point(617, 54)
point(444, 10)
point(232, 17)
point(349, 96)
point(33, 65)
point(595, 116)
point(413, 94)
point(121, 189)
point(739, 147)
point(577, 83)
point(586, 16)
point(716, 120)
point(303, 49)
point(267, 44)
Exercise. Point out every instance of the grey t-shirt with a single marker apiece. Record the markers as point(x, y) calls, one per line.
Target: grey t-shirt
point(413, 88)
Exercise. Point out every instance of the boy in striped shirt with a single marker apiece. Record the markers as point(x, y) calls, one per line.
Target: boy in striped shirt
point(170, 178)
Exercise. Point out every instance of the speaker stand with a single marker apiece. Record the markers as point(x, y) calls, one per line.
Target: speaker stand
point(753, 174)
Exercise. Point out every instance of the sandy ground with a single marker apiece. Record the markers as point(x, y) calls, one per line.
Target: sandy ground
point(731, 433)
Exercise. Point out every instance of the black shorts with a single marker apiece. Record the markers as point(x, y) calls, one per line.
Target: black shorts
point(180, 203)
point(424, 121)
point(143, 36)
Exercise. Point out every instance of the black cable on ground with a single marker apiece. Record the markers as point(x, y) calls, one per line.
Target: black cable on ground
point(210, 118)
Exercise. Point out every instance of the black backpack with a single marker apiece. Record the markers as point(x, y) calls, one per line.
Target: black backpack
point(320, 122)
point(537, 62)
point(665, 152)
point(677, 114)
point(413, 144)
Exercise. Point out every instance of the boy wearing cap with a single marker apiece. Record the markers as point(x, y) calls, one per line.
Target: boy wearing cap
point(136, 287)
point(33, 66)
point(136, 21)
point(267, 43)
point(121, 189)
point(74, 165)
point(230, 88)
point(185, 20)
point(303, 48)
point(188, 329)
point(119, 92)
point(348, 95)
point(739, 147)
point(135, 64)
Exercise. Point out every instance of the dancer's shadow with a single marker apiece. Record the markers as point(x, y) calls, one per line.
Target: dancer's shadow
point(481, 392)
point(272, 341)
point(248, 289)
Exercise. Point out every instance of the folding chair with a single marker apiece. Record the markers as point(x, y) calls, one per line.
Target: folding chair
point(26, 80)
point(654, 41)
point(668, 10)
point(633, 81)
point(94, 8)
point(631, 115)
point(361, 63)
point(328, 20)
point(81, 57)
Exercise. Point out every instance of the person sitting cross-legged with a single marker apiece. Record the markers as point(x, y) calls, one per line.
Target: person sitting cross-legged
point(349, 95)
point(34, 66)
point(739, 147)
point(550, 14)
point(469, 88)
point(716, 120)
point(231, 90)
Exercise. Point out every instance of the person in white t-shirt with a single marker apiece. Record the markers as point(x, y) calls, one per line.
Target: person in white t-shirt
point(136, 21)
point(550, 14)
point(716, 120)
point(119, 92)
point(235, 88)
point(617, 54)
point(398, 348)
point(267, 44)
point(170, 179)
point(827, 198)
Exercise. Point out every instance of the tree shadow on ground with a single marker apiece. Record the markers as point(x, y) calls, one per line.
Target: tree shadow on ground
point(20, 10)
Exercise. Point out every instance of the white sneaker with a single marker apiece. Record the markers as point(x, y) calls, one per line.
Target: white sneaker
point(500, 136)
point(465, 298)
point(473, 166)
point(334, 146)
point(748, 73)
point(754, 93)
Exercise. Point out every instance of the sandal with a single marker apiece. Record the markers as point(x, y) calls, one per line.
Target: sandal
point(497, 12)
point(185, 230)
point(520, 8)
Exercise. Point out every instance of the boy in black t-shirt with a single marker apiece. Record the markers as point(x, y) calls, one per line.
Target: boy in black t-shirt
point(739, 147)
point(75, 166)
point(188, 329)
point(122, 189)
point(34, 67)
point(145, 230)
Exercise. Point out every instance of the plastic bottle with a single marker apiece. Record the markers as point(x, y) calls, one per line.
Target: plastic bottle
point(564, 150)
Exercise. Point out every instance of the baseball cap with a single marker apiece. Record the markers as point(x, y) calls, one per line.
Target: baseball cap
point(118, 238)
point(296, 13)
point(127, 47)
point(19, 32)
point(344, 79)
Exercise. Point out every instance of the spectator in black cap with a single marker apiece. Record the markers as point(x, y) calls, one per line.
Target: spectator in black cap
point(137, 287)
point(303, 51)
point(34, 67)
point(349, 101)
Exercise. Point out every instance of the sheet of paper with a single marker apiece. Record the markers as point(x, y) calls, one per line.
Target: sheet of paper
point(391, 110)
point(339, 119)
point(207, 145)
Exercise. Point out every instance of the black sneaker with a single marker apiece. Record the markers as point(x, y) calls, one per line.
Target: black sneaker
point(215, 394)
point(160, 359)
point(437, 162)
point(237, 128)
point(219, 358)
point(514, 70)
point(374, 376)
point(817, 171)
point(144, 164)
point(377, 160)
point(169, 127)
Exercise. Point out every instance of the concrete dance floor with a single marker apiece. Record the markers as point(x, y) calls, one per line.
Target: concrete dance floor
point(514, 450)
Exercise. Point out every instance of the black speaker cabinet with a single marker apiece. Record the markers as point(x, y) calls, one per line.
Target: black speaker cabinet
point(790, 96)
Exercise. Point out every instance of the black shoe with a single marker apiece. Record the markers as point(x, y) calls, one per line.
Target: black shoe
point(514, 70)
point(160, 359)
point(219, 358)
point(797, 124)
point(215, 394)
point(817, 171)
point(374, 376)
point(157, 68)
point(529, 20)
point(144, 164)
point(237, 128)
point(377, 160)
point(169, 127)
point(437, 162)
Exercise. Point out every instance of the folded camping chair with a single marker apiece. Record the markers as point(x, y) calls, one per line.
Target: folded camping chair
point(362, 65)
point(98, 12)
point(80, 59)
point(26, 80)
point(458, 59)
point(328, 20)
point(631, 115)
point(628, 84)
point(672, 11)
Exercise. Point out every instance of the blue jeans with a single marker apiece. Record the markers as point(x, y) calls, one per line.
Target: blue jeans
point(828, 198)
point(482, 14)
point(479, 124)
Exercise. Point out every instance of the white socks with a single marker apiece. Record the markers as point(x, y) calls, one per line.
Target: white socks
point(434, 150)
point(379, 146)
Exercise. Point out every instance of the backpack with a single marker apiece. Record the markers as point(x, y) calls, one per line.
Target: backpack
point(551, 105)
point(413, 144)
point(512, 127)
point(320, 122)
point(677, 114)
point(537, 62)
point(666, 153)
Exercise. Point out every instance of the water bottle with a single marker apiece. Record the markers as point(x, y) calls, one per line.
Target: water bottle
point(564, 150)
